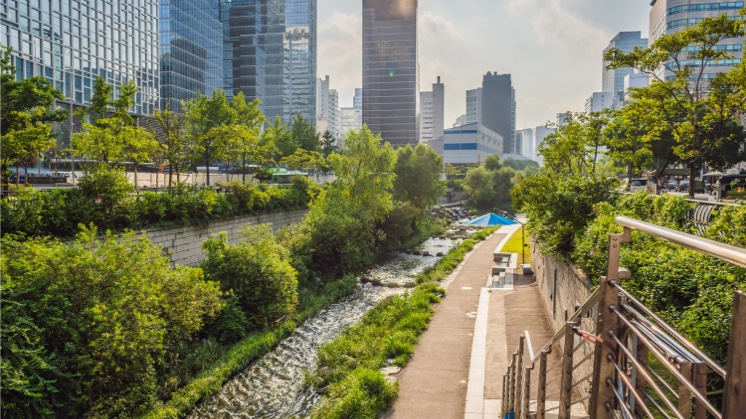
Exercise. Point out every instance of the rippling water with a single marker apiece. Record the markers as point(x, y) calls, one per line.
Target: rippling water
point(273, 386)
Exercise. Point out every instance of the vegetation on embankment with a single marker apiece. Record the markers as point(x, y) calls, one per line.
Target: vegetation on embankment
point(105, 327)
point(349, 366)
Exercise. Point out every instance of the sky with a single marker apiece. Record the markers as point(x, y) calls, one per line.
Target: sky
point(552, 49)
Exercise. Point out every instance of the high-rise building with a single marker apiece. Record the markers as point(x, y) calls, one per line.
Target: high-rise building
point(425, 117)
point(498, 107)
point(390, 70)
point(357, 100)
point(327, 108)
point(527, 144)
point(540, 134)
point(439, 104)
point(73, 42)
point(350, 119)
point(432, 113)
point(518, 143)
point(671, 16)
point(191, 58)
point(270, 54)
point(599, 101)
point(613, 79)
point(473, 105)
point(635, 80)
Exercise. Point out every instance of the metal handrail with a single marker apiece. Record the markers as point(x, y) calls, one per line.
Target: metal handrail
point(670, 330)
point(592, 299)
point(726, 252)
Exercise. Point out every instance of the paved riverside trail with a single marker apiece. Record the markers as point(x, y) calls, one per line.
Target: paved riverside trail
point(433, 384)
point(463, 351)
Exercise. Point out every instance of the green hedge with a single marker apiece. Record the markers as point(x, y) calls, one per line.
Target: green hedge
point(350, 364)
point(110, 205)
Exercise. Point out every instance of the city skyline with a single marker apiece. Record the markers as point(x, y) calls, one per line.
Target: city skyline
point(538, 45)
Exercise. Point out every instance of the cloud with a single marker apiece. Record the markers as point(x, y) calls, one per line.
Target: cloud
point(558, 22)
point(340, 45)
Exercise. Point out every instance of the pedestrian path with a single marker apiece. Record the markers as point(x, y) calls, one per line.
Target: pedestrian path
point(457, 367)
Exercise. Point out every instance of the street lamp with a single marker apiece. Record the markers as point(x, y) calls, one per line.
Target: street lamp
point(523, 233)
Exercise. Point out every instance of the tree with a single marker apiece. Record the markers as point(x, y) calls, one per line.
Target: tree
point(365, 172)
point(202, 114)
point(303, 159)
point(480, 188)
point(279, 135)
point(101, 102)
point(304, 134)
point(24, 144)
point(418, 173)
point(172, 139)
point(24, 107)
point(699, 111)
point(575, 148)
point(492, 162)
point(630, 134)
point(138, 146)
point(240, 143)
point(328, 143)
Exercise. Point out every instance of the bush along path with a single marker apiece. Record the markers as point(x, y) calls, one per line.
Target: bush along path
point(349, 372)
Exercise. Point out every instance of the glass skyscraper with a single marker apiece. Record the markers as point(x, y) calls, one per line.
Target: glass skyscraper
point(498, 107)
point(613, 79)
point(270, 54)
point(390, 69)
point(72, 42)
point(191, 46)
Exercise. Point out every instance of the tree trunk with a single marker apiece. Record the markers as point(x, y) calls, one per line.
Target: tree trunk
point(207, 166)
point(244, 169)
point(135, 175)
point(170, 174)
point(18, 175)
point(25, 174)
point(692, 176)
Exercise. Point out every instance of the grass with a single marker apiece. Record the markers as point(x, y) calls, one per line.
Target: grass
point(513, 245)
point(349, 366)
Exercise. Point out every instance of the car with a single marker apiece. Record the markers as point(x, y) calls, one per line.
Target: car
point(683, 186)
point(673, 184)
point(637, 184)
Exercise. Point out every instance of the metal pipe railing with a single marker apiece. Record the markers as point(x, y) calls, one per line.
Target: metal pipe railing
point(726, 252)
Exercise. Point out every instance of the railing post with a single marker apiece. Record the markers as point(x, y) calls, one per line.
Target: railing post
point(526, 395)
point(519, 370)
point(504, 404)
point(542, 393)
point(511, 384)
point(567, 366)
point(735, 383)
point(685, 396)
point(700, 383)
point(602, 394)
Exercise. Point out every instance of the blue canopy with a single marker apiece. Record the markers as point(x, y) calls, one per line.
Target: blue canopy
point(489, 220)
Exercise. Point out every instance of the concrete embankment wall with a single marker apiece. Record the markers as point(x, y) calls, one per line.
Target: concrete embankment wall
point(564, 289)
point(184, 244)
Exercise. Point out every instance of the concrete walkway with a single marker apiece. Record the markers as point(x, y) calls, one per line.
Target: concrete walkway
point(457, 367)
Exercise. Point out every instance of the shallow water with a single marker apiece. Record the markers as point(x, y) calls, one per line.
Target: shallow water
point(273, 386)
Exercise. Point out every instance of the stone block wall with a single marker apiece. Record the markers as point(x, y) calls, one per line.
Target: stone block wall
point(564, 289)
point(184, 244)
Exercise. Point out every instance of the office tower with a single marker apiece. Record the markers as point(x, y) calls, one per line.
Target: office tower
point(350, 119)
point(73, 42)
point(613, 79)
point(473, 105)
point(518, 143)
point(635, 80)
point(527, 144)
point(270, 54)
point(390, 71)
point(425, 117)
point(541, 133)
point(327, 108)
point(562, 119)
point(670, 16)
point(191, 58)
point(599, 101)
point(432, 113)
point(498, 106)
point(439, 104)
point(357, 100)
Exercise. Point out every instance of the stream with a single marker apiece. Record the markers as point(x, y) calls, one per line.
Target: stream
point(273, 386)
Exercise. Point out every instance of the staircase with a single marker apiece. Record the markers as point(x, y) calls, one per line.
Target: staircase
point(615, 358)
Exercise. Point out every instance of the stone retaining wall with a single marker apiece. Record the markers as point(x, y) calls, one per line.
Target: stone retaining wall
point(184, 244)
point(564, 289)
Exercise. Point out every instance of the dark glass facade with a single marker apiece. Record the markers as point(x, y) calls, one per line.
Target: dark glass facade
point(390, 69)
point(498, 107)
point(191, 50)
point(270, 54)
point(613, 79)
point(72, 42)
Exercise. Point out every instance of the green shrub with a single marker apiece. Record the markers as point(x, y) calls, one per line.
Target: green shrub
point(258, 271)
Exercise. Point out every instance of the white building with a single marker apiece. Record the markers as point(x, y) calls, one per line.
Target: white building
point(599, 101)
point(527, 144)
point(349, 119)
point(635, 80)
point(327, 108)
point(470, 144)
point(473, 105)
point(461, 120)
point(540, 133)
point(426, 117)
